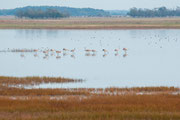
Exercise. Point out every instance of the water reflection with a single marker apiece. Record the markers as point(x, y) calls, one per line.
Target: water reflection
point(58, 57)
point(116, 54)
point(94, 54)
point(125, 55)
point(104, 55)
point(36, 33)
point(73, 56)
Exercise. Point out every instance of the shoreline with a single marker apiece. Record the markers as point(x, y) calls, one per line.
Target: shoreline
point(92, 23)
point(91, 28)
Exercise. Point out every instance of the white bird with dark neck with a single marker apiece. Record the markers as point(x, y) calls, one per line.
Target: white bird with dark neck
point(105, 51)
point(65, 50)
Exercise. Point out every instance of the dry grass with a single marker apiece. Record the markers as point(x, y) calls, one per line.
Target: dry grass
point(125, 107)
point(92, 23)
point(12, 91)
point(12, 81)
point(39, 92)
point(78, 104)
point(86, 103)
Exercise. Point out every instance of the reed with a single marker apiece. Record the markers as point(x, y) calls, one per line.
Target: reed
point(16, 81)
point(124, 107)
point(13, 91)
point(86, 103)
point(91, 23)
point(39, 92)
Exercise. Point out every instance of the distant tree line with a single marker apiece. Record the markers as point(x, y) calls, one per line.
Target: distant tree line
point(40, 14)
point(156, 12)
point(82, 12)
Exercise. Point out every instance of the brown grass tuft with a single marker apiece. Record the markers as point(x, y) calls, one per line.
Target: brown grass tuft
point(12, 81)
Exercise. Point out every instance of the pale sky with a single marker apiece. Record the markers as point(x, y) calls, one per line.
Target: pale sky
point(99, 4)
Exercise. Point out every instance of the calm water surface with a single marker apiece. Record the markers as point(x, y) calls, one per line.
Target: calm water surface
point(152, 59)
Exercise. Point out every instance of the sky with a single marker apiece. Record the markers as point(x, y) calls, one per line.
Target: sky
point(98, 4)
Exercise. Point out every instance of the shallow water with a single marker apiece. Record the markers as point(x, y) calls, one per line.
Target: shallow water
point(152, 58)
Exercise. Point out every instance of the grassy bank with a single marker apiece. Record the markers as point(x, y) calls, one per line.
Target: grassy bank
point(92, 23)
point(124, 107)
point(140, 103)
point(78, 104)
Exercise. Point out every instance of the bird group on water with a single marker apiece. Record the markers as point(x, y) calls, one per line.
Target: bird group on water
point(64, 52)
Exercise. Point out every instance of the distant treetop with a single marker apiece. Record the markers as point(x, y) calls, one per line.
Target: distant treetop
point(156, 12)
point(36, 14)
point(55, 11)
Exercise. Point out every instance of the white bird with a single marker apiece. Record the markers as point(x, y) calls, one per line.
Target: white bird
point(58, 52)
point(94, 51)
point(64, 49)
point(125, 49)
point(87, 50)
point(35, 50)
point(52, 50)
point(105, 51)
point(45, 52)
point(116, 50)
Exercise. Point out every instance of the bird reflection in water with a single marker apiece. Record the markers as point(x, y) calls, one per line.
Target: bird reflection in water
point(73, 56)
point(65, 54)
point(22, 55)
point(125, 55)
point(35, 55)
point(58, 57)
point(52, 54)
point(105, 55)
point(94, 54)
point(46, 57)
point(116, 54)
point(88, 54)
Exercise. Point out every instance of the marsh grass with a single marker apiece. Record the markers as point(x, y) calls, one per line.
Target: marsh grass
point(85, 103)
point(91, 23)
point(14, 91)
point(39, 92)
point(16, 81)
point(124, 107)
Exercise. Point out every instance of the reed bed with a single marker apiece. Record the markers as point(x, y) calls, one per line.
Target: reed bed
point(124, 107)
point(16, 81)
point(135, 89)
point(14, 91)
point(125, 91)
point(86, 103)
point(6, 91)
point(92, 23)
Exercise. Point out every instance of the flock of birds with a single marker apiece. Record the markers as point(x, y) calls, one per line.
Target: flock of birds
point(64, 52)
